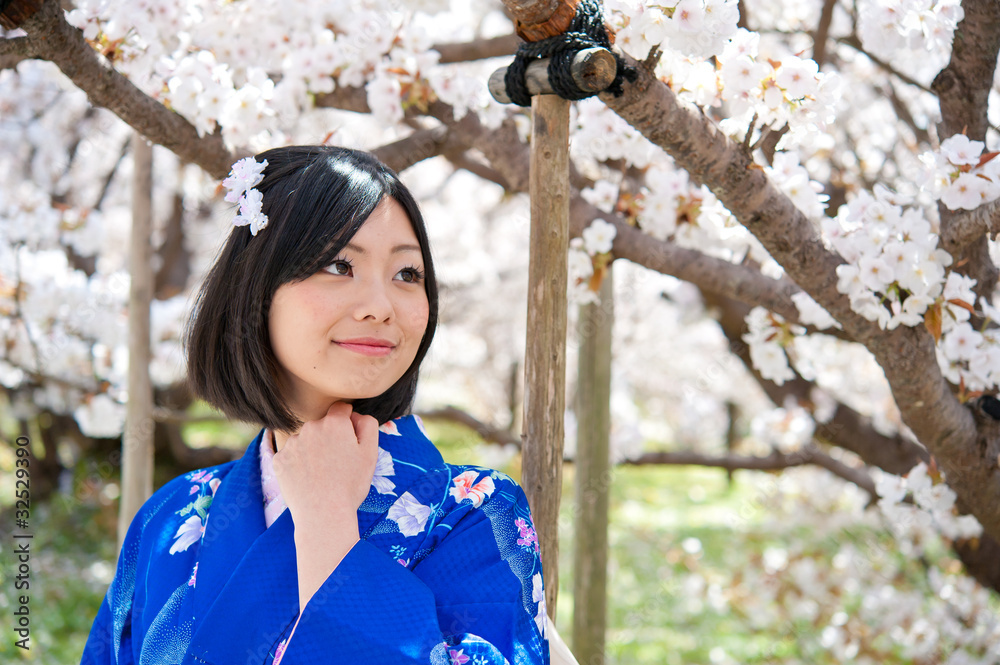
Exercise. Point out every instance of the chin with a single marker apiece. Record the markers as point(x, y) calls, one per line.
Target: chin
point(358, 396)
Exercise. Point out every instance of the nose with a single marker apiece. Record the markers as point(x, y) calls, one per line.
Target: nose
point(374, 302)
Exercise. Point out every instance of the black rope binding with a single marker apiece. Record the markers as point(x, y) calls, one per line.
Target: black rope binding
point(586, 31)
point(990, 405)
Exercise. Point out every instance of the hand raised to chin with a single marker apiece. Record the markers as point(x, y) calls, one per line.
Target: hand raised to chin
point(325, 471)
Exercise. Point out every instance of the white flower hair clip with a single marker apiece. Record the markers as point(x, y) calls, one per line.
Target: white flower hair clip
point(244, 176)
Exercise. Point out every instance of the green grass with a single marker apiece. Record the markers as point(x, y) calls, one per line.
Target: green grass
point(72, 558)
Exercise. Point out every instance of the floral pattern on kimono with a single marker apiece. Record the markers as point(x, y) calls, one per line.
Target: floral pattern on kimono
point(440, 575)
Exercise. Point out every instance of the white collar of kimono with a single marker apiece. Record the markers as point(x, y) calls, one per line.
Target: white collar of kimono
point(274, 504)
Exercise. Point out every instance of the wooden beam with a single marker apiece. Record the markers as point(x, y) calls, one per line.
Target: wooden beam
point(593, 70)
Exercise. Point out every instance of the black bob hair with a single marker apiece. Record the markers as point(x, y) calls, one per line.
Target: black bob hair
point(316, 198)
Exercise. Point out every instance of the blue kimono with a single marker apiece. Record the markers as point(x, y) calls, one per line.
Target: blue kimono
point(447, 571)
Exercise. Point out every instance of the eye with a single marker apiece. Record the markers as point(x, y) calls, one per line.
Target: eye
point(411, 275)
point(340, 267)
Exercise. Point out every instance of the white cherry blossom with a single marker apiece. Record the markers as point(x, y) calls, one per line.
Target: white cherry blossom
point(598, 237)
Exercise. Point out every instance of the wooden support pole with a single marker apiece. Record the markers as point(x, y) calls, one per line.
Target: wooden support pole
point(592, 69)
point(545, 350)
point(593, 476)
point(137, 440)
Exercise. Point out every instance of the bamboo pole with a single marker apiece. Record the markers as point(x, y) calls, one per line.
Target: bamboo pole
point(545, 350)
point(593, 476)
point(137, 440)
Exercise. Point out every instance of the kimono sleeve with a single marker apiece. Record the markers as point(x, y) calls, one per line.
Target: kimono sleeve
point(110, 639)
point(475, 598)
point(106, 645)
point(115, 637)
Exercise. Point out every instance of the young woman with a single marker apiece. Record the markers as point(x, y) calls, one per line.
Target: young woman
point(340, 536)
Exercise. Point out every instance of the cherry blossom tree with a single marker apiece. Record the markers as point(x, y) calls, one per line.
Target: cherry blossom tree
point(800, 199)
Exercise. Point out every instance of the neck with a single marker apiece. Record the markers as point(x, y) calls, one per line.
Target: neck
point(317, 412)
point(279, 439)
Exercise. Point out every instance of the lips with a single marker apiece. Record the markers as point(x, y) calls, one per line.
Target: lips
point(367, 346)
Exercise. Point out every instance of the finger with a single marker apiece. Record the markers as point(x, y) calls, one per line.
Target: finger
point(365, 427)
point(340, 410)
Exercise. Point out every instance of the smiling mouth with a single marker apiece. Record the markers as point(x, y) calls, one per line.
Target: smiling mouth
point(365, 347)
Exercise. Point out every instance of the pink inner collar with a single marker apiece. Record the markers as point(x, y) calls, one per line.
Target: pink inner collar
point(274, 504)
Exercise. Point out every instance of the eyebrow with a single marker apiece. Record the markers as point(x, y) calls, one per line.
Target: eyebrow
point(395, 250)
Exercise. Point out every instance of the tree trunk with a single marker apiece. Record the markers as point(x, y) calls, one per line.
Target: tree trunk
point(593, 477)
point(137, 440)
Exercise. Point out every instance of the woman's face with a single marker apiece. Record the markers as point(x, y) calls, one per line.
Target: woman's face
point(351, 330)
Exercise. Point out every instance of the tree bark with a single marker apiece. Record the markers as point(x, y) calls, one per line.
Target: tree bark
point(739, 281)
point(963, 89)
point(478, 49)
point(823, 32)
point(418, 146)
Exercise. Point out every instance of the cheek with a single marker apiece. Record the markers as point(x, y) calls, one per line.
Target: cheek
point(294, 316)
point(275, 316)
point(416, 314)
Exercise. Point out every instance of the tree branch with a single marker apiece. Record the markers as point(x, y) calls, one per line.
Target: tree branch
point(858, 476)
point(15, 50)
point(903, 111)
point(846, 429)
point(10, 61)
point(907, 355)
point(965, 227)
point(418, 146)
point(344, 98)
point(462, 160)
point(823, 32)
point(106, 185)
point(21, 46)
point(963, 89)
point(776, 461)
point(855, 44)
point(509, 156)
point(478, 49)
point(486, 432)
point(64, 45)
point(963, 86)
point(502, 147)
point(738, 281)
